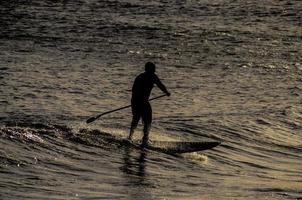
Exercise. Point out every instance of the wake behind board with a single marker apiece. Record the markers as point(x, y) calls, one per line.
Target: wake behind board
point(173, 147)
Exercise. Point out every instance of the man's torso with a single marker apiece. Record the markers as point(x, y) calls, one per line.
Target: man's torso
point(142, 87)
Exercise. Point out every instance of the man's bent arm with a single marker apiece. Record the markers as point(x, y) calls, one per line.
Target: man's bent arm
point(161, 86)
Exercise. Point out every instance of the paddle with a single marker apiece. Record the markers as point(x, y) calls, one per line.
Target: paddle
point(92, 119)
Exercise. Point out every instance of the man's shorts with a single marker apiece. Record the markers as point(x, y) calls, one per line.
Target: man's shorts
point(142, 110)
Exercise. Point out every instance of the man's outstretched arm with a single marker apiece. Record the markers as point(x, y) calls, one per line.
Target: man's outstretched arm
point(161, 86)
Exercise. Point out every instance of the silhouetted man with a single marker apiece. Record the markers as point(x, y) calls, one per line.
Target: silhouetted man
point(140, 105)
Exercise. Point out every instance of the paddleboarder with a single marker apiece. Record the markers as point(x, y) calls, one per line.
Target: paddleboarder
point(141, 108)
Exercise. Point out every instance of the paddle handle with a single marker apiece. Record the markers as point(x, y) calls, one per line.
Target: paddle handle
point(111, 111)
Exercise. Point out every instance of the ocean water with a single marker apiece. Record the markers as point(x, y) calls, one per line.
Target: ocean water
point(233, 68)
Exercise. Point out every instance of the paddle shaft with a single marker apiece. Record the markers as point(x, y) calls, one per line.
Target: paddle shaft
point(111, 111)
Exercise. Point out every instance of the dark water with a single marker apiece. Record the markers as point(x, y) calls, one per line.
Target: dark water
point(234, 70)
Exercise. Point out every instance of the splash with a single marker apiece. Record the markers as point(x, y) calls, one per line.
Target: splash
point(22, 134)
point(196, 157)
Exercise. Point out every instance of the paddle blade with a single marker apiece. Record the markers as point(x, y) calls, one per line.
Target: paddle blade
point(91, 119)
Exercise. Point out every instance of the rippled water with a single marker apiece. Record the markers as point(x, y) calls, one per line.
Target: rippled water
point(233, 69)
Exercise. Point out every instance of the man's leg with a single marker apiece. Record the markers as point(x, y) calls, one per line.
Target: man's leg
point(147, 120)
point(147, 128)
point(135, 120)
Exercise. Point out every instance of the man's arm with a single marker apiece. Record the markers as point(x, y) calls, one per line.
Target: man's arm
point(161, 86)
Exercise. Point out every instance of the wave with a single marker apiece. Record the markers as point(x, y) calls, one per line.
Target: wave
point(54, 146)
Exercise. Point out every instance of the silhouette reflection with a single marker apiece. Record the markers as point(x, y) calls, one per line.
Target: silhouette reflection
point(134, 164)
point(134, 170)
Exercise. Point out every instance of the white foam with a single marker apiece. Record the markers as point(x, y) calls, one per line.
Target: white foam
point(196, 157)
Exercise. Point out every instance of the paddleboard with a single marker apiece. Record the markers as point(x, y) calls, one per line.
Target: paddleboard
point(175, 147)
point(168, 147)
point(181, 147)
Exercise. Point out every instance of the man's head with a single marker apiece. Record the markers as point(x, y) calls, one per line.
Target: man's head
point(150, 67)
